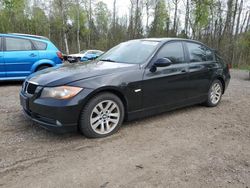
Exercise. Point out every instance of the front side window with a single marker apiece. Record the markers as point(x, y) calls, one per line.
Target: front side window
point(18, 44)
point(172, 51)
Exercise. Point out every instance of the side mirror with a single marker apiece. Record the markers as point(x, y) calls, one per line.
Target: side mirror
point(162, 62)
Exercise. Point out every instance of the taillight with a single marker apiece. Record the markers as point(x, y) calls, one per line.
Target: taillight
point(229, 66)
point(59, 54)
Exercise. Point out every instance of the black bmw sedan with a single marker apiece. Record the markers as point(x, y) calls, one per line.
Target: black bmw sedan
point(134, 79)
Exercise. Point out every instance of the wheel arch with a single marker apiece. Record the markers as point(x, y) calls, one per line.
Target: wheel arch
point(114, 90)
point(40, 63)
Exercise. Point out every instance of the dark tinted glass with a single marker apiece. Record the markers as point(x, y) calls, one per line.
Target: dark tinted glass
point(198, 52)
point(18, 44)
point(40, 45)
point(172, 51)
point(209, 55)
point(134, 52)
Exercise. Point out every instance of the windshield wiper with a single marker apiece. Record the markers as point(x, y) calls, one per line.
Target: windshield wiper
point(109, 60)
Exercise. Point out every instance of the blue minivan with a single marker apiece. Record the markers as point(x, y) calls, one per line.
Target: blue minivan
point(22, 54)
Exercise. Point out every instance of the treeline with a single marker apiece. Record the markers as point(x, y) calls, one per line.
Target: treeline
point(74, 25)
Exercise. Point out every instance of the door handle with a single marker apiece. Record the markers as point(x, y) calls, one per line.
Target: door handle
point(32, 55)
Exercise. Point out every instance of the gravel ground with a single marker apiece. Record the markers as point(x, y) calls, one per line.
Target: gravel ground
point(191, 147)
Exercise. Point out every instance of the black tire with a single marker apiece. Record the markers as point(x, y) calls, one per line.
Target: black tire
point(84, 121)
point(42, 67)
point(209, 101)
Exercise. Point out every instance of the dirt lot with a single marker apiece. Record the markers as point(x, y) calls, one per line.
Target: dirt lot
point(191, 147)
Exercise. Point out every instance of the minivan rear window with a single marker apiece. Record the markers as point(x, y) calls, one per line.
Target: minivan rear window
point(39, 45)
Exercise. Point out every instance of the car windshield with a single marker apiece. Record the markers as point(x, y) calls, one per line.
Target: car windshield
point(133, 52)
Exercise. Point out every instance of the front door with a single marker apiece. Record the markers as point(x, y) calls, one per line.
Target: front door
point(167, 85)
point(19, 56)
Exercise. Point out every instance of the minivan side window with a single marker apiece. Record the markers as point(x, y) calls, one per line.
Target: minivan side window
point(0, 43)
point(199, 53)
point(18, 44)
point(172, 51)
point(39, 45)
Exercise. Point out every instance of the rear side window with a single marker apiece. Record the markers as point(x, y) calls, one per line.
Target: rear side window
point(209, 55)
point(172, 51)
point(199, 53)
point(40, 45)
point(18, 44)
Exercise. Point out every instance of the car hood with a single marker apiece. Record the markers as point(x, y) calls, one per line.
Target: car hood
point(73, 72)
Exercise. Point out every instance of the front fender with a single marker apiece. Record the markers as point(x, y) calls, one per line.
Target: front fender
point(42, 62)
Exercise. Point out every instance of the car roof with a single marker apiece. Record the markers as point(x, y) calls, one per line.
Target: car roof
point(168, 39)
point(25, 35)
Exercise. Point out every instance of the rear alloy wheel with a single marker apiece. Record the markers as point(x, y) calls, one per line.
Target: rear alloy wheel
point(214, 94)
point(102, 116)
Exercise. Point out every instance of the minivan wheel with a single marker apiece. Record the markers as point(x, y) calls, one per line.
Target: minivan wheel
point(214, 94)
point(102, 116)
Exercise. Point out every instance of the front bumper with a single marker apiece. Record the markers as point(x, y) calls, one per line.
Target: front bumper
point(50, 124)
point(53, 114)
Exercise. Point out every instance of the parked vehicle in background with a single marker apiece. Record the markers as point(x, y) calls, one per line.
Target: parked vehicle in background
point(84, 55)
point(23, 54)
point(95, 98)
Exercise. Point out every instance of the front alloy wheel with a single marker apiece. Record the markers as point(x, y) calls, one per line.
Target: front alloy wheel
point(105, 117)
point(102, 116)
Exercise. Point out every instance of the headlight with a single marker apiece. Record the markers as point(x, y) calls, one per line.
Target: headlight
point(62, 92)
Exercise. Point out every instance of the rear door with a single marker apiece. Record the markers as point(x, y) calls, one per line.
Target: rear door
point(201, 64)
point(19, 56)
point(2, 71)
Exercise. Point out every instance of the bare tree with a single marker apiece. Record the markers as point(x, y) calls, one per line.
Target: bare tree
point(175, 15)
point(114, 13)
point(78, 26)
point(187, 17)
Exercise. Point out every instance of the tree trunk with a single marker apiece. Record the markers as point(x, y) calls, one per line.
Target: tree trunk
point(248, 23)
point(243, 24)
point(78, 26)
point(187, 17)
point(147, 19)
point(238, 19)
point(61, 3)
point(175, 16)
point(114, 14)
